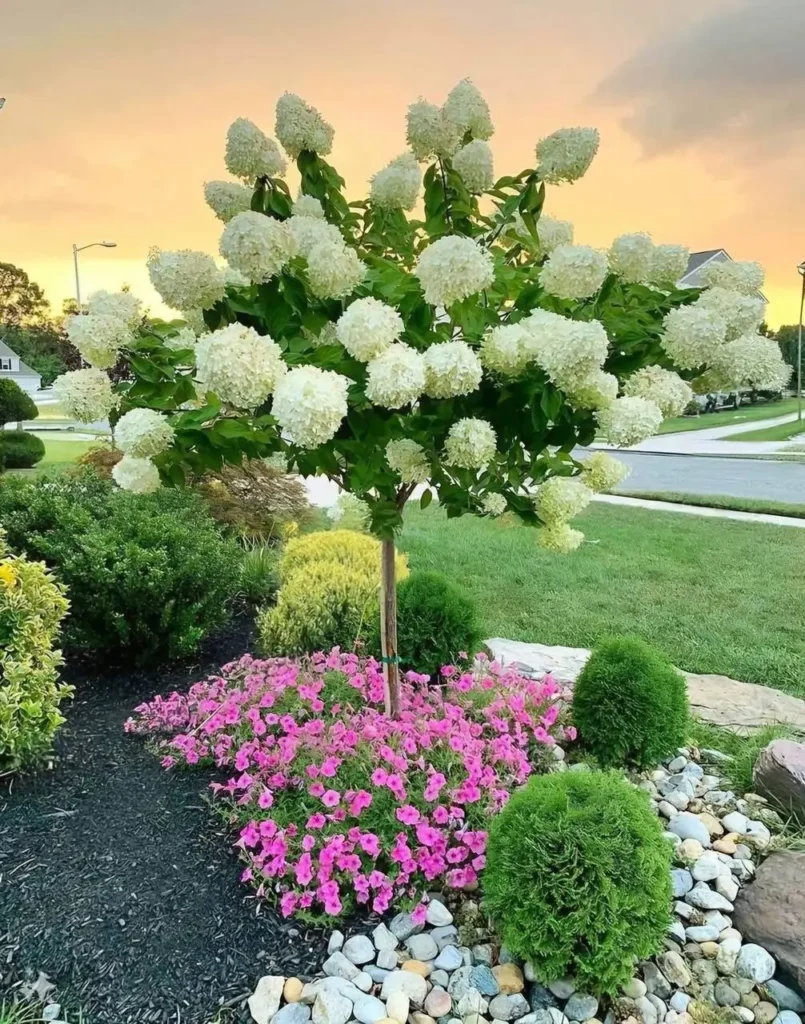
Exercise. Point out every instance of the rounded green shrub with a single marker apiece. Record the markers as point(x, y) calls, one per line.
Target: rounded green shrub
point(577, 878)
point(630, 704)
point(436, 620)
point(20, 449)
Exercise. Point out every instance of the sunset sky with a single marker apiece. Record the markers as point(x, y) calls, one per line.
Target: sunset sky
point(116, 114)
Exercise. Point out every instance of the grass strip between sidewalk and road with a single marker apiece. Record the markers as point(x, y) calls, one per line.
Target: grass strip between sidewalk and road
point(728, 417)
point(725, 501)
point(780, 432)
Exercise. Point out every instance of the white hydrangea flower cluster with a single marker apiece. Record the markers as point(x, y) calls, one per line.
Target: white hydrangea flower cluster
point(663, 387)
point(99, 337)
point(493, 504)
point(752, 361)
point(227, 198)
point(250, 154)
point(451, 368)
point(574, 271)
point(397, 186)
point(396, 377)
point(408, 460)
point(742, 314)
point(301, 127)
point(475, 164)
point(629, 421)
point(597, 391)
point(233, 279)
point(186, 280)
point(559, 538)
point(471, 443)
point(552, 233)
point(334, 270)
point(561, 498)
point(507, 349)
point(368, 327)
point(569, 351)
point(310, 404)
point(631, 257)
point(468, 110)
point(668, 263)
point(734, 275)
point(692, 335)
point(185, 338)
point(452, 268)
point(85, 395)
point(143, 433)
point(239, 365)
point(308, 206)
point(308, 232)
point(566, 155)
point(123, 305)
point(430, 132)
point(258, 246)
point(140, 476)
point(601, 473)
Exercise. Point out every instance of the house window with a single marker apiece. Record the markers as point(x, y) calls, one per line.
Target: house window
point(5, 364)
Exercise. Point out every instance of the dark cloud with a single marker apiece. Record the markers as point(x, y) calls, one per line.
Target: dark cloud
point(733, 83)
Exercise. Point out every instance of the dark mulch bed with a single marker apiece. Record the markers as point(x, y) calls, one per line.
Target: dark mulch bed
point(119, 883)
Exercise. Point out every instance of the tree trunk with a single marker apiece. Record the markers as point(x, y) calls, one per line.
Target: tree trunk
point(388, 627)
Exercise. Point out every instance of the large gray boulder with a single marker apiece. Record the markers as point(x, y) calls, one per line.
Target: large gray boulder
point(780, 775)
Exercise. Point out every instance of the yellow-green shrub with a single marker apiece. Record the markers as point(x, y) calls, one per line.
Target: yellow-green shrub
point(329, 594)
point(32, 605)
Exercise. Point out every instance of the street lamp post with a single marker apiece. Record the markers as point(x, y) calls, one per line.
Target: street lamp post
point(801, 269)
point(76, 250)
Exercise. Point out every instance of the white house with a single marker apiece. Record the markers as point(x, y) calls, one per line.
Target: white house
point(13, 368)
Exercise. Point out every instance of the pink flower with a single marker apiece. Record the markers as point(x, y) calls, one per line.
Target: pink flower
point(330, 767)
point(570, 732)
point(316, 789)
point(408, 815)
point(370, 844)
point(266, 799)
point(449, 670)
point(440, 815)
point(316, 820)
point(379, 777)
point(331, 798)
point(419, 913)
point(360, 802)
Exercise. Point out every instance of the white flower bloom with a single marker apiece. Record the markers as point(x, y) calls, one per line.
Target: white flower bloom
point(349, 512)
point(663, 387)
point(250, 154)
point(258, 246)
point(559, 538)
point(567, 154)
point(692, 335)
point(85, 395)
point(597, 391)
point(307, 232)
point(506, 349)
point(99, 337)
point(397, 186)
point(334, 270)
point(493, 504)
point(574, 272)
point(140, 476)
point(561, 498)
point(471, 444)
point(368, 327)
point(123, 305)
point(569, 351)
point(629, 421)
point(668, 263)
point(430, 132)
point(752, 361)
point(475, 164)
point(143, 433)
point(301, 127)
point(451, 368)
point(408, 460)
point(308, 206)
point(452, 268)
point(631, 257)
point(396, 377)
point(186, 280)
point(552, 233)
point(310, 404)
point(326, 335)
point(233, 278)
point(227, 198)
point(742, 314)
point(239, 365)
point(468, 110)
point(734, 275)
point(185, 338)
point(194, 318)
point(601, 473)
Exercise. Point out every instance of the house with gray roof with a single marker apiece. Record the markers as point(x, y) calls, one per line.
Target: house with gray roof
point(13, 368)
point(692, 278)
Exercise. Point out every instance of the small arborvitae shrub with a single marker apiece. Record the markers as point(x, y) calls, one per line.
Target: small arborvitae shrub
point(630, 704)
point(436, 623)
point(20, 449)
point(577, 878)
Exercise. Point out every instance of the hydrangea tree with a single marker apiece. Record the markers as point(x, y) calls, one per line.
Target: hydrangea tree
point(466, 345)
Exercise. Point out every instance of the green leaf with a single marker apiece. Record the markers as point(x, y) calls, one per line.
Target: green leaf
point(426, 499)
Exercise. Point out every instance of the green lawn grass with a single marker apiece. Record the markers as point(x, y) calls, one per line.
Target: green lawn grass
point(744, 414)
point(773, 508)
point(717, 595)
point(781, 432)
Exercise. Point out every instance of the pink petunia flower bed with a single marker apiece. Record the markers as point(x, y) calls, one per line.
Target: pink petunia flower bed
point(333, 802)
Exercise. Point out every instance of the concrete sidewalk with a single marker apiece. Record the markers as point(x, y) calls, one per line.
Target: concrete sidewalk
point(701, 510)
point(713, 440)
